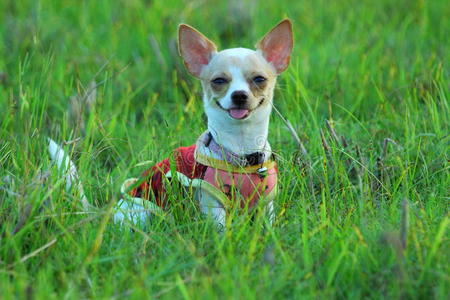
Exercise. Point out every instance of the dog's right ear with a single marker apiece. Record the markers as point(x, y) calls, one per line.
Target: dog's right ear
point(195, 49)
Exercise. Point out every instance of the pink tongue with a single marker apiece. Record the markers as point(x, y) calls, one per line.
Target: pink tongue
point(238, 113)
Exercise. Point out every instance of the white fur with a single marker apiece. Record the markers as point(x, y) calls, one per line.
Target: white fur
point(238, 83)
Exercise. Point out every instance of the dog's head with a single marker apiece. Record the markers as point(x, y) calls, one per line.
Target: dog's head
point(237, 83)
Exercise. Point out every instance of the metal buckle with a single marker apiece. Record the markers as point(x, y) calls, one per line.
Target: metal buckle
point(262, 172)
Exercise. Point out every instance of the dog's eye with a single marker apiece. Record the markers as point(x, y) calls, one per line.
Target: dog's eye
point(258, 79)
point(219, 80)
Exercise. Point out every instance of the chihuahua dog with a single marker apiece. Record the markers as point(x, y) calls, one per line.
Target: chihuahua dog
point(231, 165)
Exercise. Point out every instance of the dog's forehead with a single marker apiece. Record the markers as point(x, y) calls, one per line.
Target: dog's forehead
point(244, 59)
point(236, 52)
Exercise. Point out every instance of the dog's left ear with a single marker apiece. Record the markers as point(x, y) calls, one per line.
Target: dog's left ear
point(276, 45)
point(195, 49)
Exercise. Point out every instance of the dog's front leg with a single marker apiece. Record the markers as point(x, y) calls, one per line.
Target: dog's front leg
point(212, 208)
point(132, 212)
point(269, 212)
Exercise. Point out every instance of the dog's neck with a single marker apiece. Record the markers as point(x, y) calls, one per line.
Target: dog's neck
point(242, 138)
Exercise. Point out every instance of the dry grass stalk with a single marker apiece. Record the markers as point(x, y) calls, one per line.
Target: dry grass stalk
point(23, 218)
point(333, 133)
point(355, 164)
point(79, 106)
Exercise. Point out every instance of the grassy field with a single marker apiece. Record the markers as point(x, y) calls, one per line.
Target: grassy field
point(365, 220)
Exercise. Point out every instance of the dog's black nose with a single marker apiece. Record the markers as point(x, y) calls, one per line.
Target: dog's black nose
point(239, 97)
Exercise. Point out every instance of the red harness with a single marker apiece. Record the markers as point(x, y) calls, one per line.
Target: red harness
point(250, 186)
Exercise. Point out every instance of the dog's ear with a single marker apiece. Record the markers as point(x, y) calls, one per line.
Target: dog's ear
point(195, 49)
point(276, 45)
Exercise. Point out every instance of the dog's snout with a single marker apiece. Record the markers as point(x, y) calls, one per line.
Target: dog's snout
point(239, 97)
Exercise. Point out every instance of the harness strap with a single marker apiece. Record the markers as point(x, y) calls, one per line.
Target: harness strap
point(252, 159)
point(226, 166)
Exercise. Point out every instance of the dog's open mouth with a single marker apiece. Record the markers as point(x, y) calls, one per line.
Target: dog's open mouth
point(239, 113)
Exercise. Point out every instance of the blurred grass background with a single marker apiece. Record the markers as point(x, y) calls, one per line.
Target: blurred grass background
point(104, 78)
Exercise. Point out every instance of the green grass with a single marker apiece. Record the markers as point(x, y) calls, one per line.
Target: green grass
point(375, 69)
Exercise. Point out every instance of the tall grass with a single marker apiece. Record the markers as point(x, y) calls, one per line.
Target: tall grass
point(104, 79)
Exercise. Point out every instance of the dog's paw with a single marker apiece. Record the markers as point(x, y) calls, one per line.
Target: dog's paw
point(131, 213)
